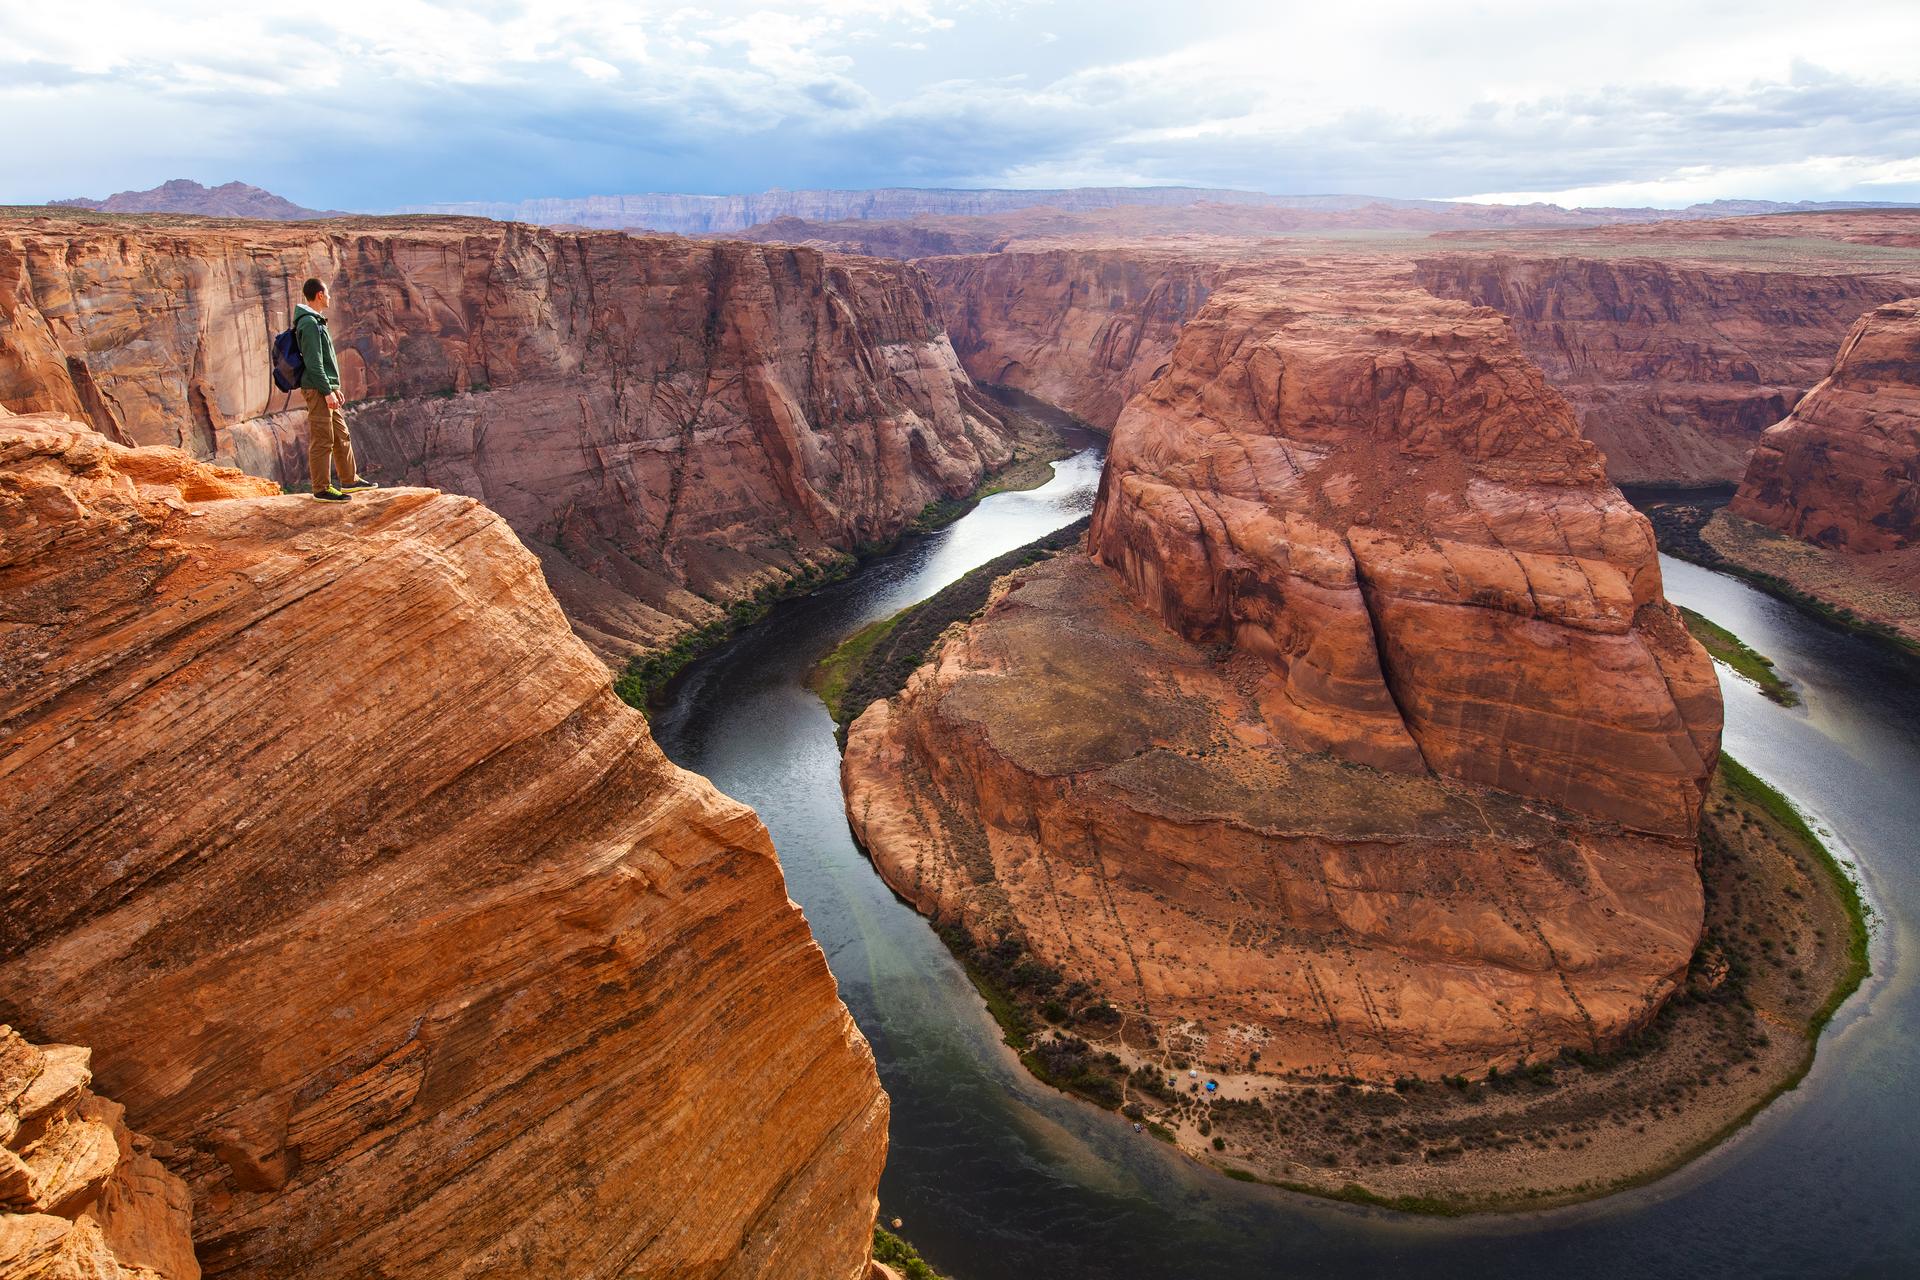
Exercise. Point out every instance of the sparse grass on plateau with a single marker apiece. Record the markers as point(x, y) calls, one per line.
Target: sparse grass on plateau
point(1743, 781)
point(1730, 649)
point(829, 679)
point(874, 662)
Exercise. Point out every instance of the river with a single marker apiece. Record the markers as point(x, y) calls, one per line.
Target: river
point(996, 1176)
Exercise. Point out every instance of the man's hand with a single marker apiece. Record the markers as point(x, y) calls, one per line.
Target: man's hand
point(333, 399)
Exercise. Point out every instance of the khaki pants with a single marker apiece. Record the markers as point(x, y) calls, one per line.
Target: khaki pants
point(327, 442)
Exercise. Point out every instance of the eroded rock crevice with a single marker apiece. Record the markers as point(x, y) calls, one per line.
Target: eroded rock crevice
point(81, 1195)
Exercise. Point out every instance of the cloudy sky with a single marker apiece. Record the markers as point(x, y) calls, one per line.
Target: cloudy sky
point(369, 104)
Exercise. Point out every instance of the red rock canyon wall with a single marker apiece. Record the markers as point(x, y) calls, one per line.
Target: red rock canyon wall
point(1843, 470)
point(1675, 368)
point(1081, 329)
point(668, 424)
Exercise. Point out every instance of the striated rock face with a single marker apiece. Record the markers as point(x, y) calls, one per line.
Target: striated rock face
point(1366, 735)
point(668, 424)
point(377, 906)
point(1081, 329)
point(81, 1195)
point(1844, 469)
point(1675, 368)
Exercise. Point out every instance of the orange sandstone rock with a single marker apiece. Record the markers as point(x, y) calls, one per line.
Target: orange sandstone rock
point(80, 1194)
point(376, 905)
point(1070, 772)
point(1843, 470)
point(1381, 498)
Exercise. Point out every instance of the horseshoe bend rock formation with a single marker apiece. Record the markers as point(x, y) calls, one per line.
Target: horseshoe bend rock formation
point(380, 911)
point(1365, 733)
point(668, 424)
point(1843, 470)
point(81, 1195)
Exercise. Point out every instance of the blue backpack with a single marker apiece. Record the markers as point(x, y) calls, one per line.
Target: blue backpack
point(288, 366)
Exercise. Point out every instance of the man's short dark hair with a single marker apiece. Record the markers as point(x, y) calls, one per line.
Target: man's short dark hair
point(312, 288)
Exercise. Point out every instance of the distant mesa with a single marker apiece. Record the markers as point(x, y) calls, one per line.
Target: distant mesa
point(970, 220)
point(708, 214)
point(1239, 212)
point(183, 195)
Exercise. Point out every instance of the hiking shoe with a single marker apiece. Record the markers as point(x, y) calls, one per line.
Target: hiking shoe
point(358, 485)
point(330, 494)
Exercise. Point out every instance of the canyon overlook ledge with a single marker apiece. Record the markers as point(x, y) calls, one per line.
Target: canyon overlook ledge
point(1365, 739)
point(390, 921)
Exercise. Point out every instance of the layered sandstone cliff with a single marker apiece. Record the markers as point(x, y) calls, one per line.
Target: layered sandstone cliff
point(1083, 329)
point(1843, 470)
point(1366, 739)
point(1677, 342)
point(1675, 368)
point(381, 911)
point(81, 1195)
point(668, 424)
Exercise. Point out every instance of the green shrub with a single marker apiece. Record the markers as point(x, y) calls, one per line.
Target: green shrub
point(901, 1256)
point(894, 655)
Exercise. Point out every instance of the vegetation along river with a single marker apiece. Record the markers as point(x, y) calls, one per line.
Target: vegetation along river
point(995, 1175)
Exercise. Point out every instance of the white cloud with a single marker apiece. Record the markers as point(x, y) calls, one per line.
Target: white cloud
point(1815, 178)
point(1406, 97)
point(595, 69)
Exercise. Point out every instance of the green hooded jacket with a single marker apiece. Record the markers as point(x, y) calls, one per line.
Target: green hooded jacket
point(316, 349)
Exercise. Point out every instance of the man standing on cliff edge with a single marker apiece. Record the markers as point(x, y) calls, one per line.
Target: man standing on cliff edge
point(329, 448)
